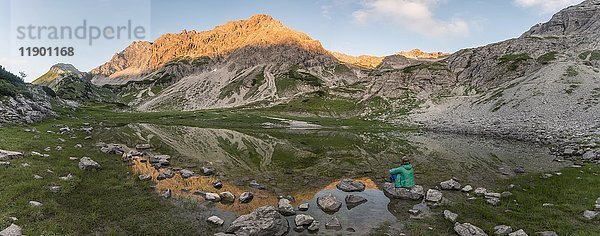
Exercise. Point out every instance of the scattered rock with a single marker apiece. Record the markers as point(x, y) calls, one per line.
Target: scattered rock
point(303, 220)
point(55, 189)
point(329, 203)
point(450, 185)
point(314, 226)
point(467, 229)
point(37, 177)
point(285, 207)
point(467, 188)
point(217, 184)
point(590, 215)
point(333, 224)
point(493, 201)
point(256, 185)
point(215, 220)
point(246, 197)
point(502, 230)
point(589, 155)
point(145, 177)
point(227, 197)
point(12, 230)
point(213, 197)
point(186, 173)
point(299, 229)
point(506, 194)
point(480, 191)
point(86, 163)
point(546, 176)
point(143, 146)
point(25, 165)
point(414, 193)
point(303, 207)
point(207, 170)
point(262, 221)
point(9, 155)
point(167, 174)
point(451, 216)
point(166, 193)
point(4, 163)
point(35, 204)
point(492, 195)
point(111, 149)
point(433, 195)
point(349, 185)
point(518, 233)
point(520, 170)
point(354, 201)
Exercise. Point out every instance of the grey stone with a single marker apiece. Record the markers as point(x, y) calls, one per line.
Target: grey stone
point(493, 201)
point(246, 197)
point(480, 191)
point(227, 197)
point(143, 146)
point(354, 201)
point(262, 221)
point(166, 194)
point(55, 189)
point(520, 170)
point(492, 195)
point(285, 207)
point(217, 184)
point(419, 211)
point(9, 155)
point(502, 230)
point(256, 185)
point(4, 163)
point(167, 174)
point(215, 220)
point(467, 188)
point(414, 193)
point(303, 220)
point(349, 185)
point(450, 185)
point(37, 177)
point(334, 224)
point(467, 229)
point(86, 163)
point(12, 230)
point(589, 155)
point(314, 226)
point(506, 194)
point(329, 203)
point(433, 195)
point(451, 216)
point(207, 170)
point(518, 233)
point(213, 197)
point(303, 207)
point(35, 204)
point(145, 177)
point(590, 215)
point(186, 173)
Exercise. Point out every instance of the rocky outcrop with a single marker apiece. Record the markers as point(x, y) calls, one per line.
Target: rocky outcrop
point(9, 155)
point(468, 229)
point(414, 193)
point(582, 19)
point(262, 221)
point(56, 73)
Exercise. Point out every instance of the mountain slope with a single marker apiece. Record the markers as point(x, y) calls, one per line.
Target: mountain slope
point(542, 86)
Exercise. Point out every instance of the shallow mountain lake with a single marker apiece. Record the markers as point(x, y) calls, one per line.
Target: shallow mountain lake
point(308, 163)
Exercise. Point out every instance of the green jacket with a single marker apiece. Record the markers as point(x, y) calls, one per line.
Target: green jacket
point(405, 176)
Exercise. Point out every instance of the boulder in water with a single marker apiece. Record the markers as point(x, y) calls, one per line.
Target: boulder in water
point(349, 185)
point(329, 203)
point(262, 221)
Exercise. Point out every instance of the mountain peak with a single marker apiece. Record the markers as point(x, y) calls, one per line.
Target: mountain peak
point(582, 19)
point(256, 31)
point(57, 71)
point(419, 54)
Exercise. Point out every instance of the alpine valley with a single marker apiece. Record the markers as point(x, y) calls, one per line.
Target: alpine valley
point(266, 115)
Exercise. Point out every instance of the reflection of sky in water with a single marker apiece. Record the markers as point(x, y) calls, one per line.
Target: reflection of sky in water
point(278, 156)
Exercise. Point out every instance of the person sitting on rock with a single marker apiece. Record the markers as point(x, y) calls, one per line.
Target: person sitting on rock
point(403, 176)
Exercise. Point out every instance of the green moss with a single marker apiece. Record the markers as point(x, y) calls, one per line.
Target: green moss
point(547, 58)
point(342, 69)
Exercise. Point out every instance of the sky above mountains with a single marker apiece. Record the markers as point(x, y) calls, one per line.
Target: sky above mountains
point(373, 27)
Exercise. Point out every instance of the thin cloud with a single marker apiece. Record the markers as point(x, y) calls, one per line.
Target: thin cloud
point(546, 6)
point(414, 15)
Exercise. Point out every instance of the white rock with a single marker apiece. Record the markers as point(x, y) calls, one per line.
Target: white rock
point(480, 191)
point(303, 219)
point(12, 230)
point(215, 220)
point(433, 195)
point(213, 197)
point(35, 204)
point(590, 215)
point(451, 216)
point(502, 230)
point(518, 233)
point(467, 188)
